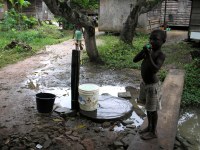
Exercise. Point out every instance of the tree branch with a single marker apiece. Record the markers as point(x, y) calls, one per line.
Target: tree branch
point(150, 5)
point(64, 9)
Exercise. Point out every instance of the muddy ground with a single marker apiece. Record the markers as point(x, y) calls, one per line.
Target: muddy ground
point(22, 127)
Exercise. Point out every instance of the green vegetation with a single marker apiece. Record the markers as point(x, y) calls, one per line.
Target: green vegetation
point(86, 4)
point(191, 92)
point(36, 38)
point(18, 21)
point(118, 55)
point(15, 19)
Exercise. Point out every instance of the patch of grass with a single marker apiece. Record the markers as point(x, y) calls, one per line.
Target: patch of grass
point(177, 54)
point(116, 54)
point(37, 38)
point(191, 92)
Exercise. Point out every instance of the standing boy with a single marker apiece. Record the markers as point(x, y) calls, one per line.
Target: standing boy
point(153, 58)
point(78, 36)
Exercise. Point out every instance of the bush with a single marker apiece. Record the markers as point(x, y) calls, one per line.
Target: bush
point(191, 92)
point(18, 21)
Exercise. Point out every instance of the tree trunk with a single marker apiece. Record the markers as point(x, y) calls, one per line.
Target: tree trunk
point(64, 10)
point(128, 30)
point(142, 6)
point(90, 44)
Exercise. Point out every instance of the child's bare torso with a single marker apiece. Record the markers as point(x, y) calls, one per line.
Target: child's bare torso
point(148, 71)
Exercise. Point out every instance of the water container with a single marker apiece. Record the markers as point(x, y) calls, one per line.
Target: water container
point(88, 97)
point(45, 102)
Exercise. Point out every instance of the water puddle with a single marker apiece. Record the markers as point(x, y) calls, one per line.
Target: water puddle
point(189, 125)
point(63, 95)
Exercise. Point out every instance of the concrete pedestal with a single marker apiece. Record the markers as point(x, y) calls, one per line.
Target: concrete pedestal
point(109, 108)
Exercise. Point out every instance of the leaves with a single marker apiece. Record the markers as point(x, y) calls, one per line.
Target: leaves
point(86, 4)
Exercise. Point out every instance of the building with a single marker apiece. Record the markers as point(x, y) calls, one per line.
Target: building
point(37, 9)
point(194, 25)
point(176, 12)
point(113, 14)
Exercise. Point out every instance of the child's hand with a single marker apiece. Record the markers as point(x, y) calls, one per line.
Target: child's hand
point(147, 49)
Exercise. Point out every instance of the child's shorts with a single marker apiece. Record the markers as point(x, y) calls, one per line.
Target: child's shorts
point(150, 95)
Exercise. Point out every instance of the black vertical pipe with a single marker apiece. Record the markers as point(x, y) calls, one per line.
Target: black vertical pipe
point(165, 24)
point(75, 69)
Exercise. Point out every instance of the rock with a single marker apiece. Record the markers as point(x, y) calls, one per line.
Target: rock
point(97, 129)
point(177, 143)
point(63, 110)
point(106, 124)
point(124, 94)
point(126, 122)
point(38, 146)
point(47, 143)
point(131, 126)
point(88, 144)
point(46, 137)
point(186, 144)
point(5, 148)
point(74, 138)
point(126, 140)
point(75, 133)
point(68, 132)
point(117, 144)
point(77, 146)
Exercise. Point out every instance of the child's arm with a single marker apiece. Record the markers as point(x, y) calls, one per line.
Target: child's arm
point(141, 55)
point(158, 62)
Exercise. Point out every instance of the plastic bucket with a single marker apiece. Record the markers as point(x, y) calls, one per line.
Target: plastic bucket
point(45, 102)
point(88, 97)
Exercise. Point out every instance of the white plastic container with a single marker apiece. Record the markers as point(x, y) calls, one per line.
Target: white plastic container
point(88, 97)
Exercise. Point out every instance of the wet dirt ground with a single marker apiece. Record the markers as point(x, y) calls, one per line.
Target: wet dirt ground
point(50, 70)
point(22, 127)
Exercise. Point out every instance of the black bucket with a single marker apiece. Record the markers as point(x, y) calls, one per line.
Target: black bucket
point(45, 102)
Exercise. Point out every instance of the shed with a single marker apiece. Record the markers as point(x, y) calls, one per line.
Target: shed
point(37, 9)
point(194, 26)
point(177, 12)
point(113, 14)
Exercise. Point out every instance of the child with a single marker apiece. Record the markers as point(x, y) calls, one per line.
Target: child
point(153, 58)
point(78, 36)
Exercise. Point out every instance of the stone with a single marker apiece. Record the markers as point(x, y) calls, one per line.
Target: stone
point(124, 94)
point(126, 122)
point(117, 144)
point(106, 124)
point(131, 126)
point(88, 144)
point(47, 143)
point(77, 146)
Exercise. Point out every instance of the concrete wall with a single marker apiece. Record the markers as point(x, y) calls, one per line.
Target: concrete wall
point(113, 13)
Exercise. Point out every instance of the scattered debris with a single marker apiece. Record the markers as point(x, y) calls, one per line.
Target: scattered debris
point(16, 43)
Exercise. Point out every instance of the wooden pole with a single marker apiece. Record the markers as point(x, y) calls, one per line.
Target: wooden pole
point(75, 70)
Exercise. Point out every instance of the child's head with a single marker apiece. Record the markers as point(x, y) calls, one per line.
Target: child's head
point(157, 38)
point(78, 26)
